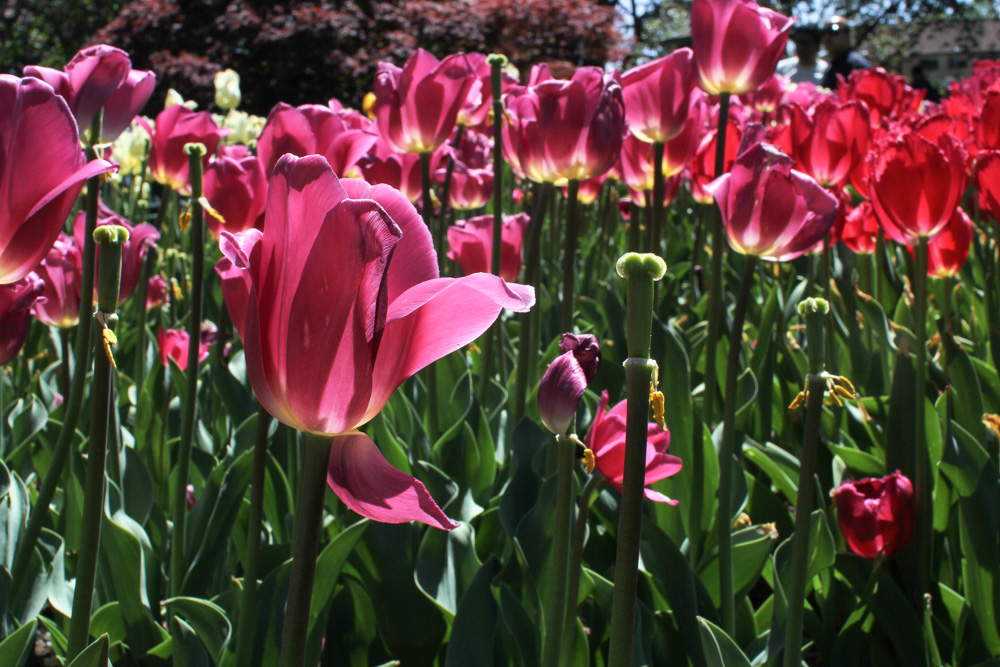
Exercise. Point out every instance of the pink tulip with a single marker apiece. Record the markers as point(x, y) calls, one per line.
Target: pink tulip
point(174, 344)
point(470, 188)
point(770, 95)
point(60, 272)
point(607, 440)
point(566, 379)
point(416, 107)
point(142, 238)
point(175, 127)
point(331, 326)
point(659, 96)
point(16, 300)
point(476, 107)
point(471, 244)
point(100, 76)
point(237, 190)
point(561, 130)
point(42, 170)
point(637, 156)
point(156, 292)
point(312, 129)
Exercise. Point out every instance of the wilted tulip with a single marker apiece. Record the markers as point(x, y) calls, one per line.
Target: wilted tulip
point(16, 300)
point(566, 379)
point(175, 127)
point(471, 244)
point(876, 515)
point(60, 272)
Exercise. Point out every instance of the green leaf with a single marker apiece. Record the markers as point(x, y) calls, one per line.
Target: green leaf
point(981, 562)
point(207, 620)
point(95, 655)
point(861, 463)
point(447, 565)
point(26, 418)
point(14, 649)
point(720, 650)
point(475, 624)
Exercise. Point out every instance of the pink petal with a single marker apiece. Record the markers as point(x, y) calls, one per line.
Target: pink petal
point(656, 496)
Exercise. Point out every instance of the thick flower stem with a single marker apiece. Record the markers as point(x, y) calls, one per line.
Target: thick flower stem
point(555, 603)
point(74, 402)
point(659, 185)
point(316, 460)
point(247, 620)
point(640, 271)
point(727, 452)
point(112, 238)
point(576, 562)
point(715, 276)
point(815, 311)
point(569, 258)
point(195, 152)
point(925, 508)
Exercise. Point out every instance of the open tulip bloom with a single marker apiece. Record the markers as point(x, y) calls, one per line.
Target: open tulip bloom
point(339, 301)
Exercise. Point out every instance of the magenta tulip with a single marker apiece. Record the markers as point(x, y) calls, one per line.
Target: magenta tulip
point(312, 129)
point(42, 170)
point(470, 188)
point(156, 292)
point(174, 344)
point(237, 189)
point(60, 271)
point(16, 300)
point(471, 244)
point(566, 379)
point(400, 171)
point(659, 95)
point(337, 302)
point(876, 516)
point(175, 127)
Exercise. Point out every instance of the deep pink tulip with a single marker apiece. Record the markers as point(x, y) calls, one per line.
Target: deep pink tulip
point(769, 96)
point(237, 190)
point(659, 95)
point(861, 229)
point(156, 292)
point(16, 300)
point(560, 130)
point(736, 43)
point(948, 251)
point(175, 127)
point(100, 76)
point(401, 171)
point(60, 271)
point(566, 379)
point(829, 141)
point(470, 188)
point(476, 107)
point(637, 165)
point(769, 209)
point(42, 170)
point(876, 515)
point(142, 238)
point(331, 326)
point(312, 129)
point(416, 107)
point(471, 244)
point(174, 344)
point(607, 440)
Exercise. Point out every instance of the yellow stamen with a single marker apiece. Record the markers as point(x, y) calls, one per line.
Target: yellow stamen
point(589, 461)
point(992, 422)
point(108, 338)
point(211, 211)
point(185, 220)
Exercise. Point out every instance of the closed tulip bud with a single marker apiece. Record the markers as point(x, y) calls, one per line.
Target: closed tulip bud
point(566, 379)
point(227, 89)
point(16, 301)
point(876, 516)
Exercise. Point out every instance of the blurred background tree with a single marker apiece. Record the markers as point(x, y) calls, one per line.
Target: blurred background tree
point(50, 32)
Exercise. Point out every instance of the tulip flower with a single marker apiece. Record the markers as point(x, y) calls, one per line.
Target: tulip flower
point(470, 188)
point(471, 244)
point(564, 130)
point(174, 345)
point(142, 238)
point(659, 96)
point(861, 229)
point(237, 189)
point(16, 301)
point(770, 95)
point(566, 379)
point(886, 95)
point(770, 210)
point(100, 76)
point(876, 516)
point(947, 252)
point(312, 129)
point(383, 165)
point(703, 162)
point(736, 44)
point(637, 161)
point(227, 89)
point(60, 273)
point(337, 302)
point(607, 440)
point(42, 170)
point(175, 127)
point(829, 141)
point(477, 103)
point(987, 177)
point(416, 107)
point(156, 292)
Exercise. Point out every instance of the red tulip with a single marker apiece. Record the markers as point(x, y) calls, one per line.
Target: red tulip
point(100, 76)
point(471, 244)
point(769, 96)
point(861, 229)
point(417, 107)
point(886, 95)
point(703, 161)
point(60, 271)
point(142, 238)
point(915, 185)
point(769, 209)
point(312, 129)
point(736, 43)
point(175, 127)
point(876, 515)
point(607, 440)
point(659, 95)
point(42, 170)
point(829, 141)
point(337, 302)
point(988, 127)
point(947, 252)
point(560, 130)
point(237, 190)
point(987, 177)
point(16, 300)
point(566, 379)
point(174, 344)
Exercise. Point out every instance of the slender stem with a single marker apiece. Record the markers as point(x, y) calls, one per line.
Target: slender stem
point(925, 518)
point(179, 510)
point(947, 289)
point(142, 294)
point(576, 562)
point(247, 620)
point(448, 171)
point(569, 258)
point(880, 268)
point(309, 526)
point(634, 228)
point(64, 365)
point(715, 280)
point(728, 452)
point(659, 185)
point(555, 603)
point(427, 207)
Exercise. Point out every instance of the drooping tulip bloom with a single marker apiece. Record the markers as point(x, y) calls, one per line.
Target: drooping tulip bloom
point(876, 515)
point(312, 129)
point(142, 238)
point(947, 252)
point(42, 170)
point(560, 130)
point(16, 300)
point(769, 209)
point(60, 272)
point(416, 107)
point(736, 43)
point(471, 244)
point(337, 302)
point(237, 190)
point(860, 231)
point(175, 127)
point(566, 379)
point(659, 95)
point(174, 344)
point(915, 185)
point(100, 76)
point(607, 440)
point(829, 141)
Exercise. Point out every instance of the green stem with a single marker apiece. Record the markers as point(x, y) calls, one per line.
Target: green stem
point(576, 562)
point(555, 603)
point(659, 185)
point(247, 619)
point(427, 208)
point(728, 451)
point(309, 526)
point(634, 228)
point(446, 186)
point(569, 256)
point(142, 294)
point(925, 508)
point(880, 268)
point(195, 152)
